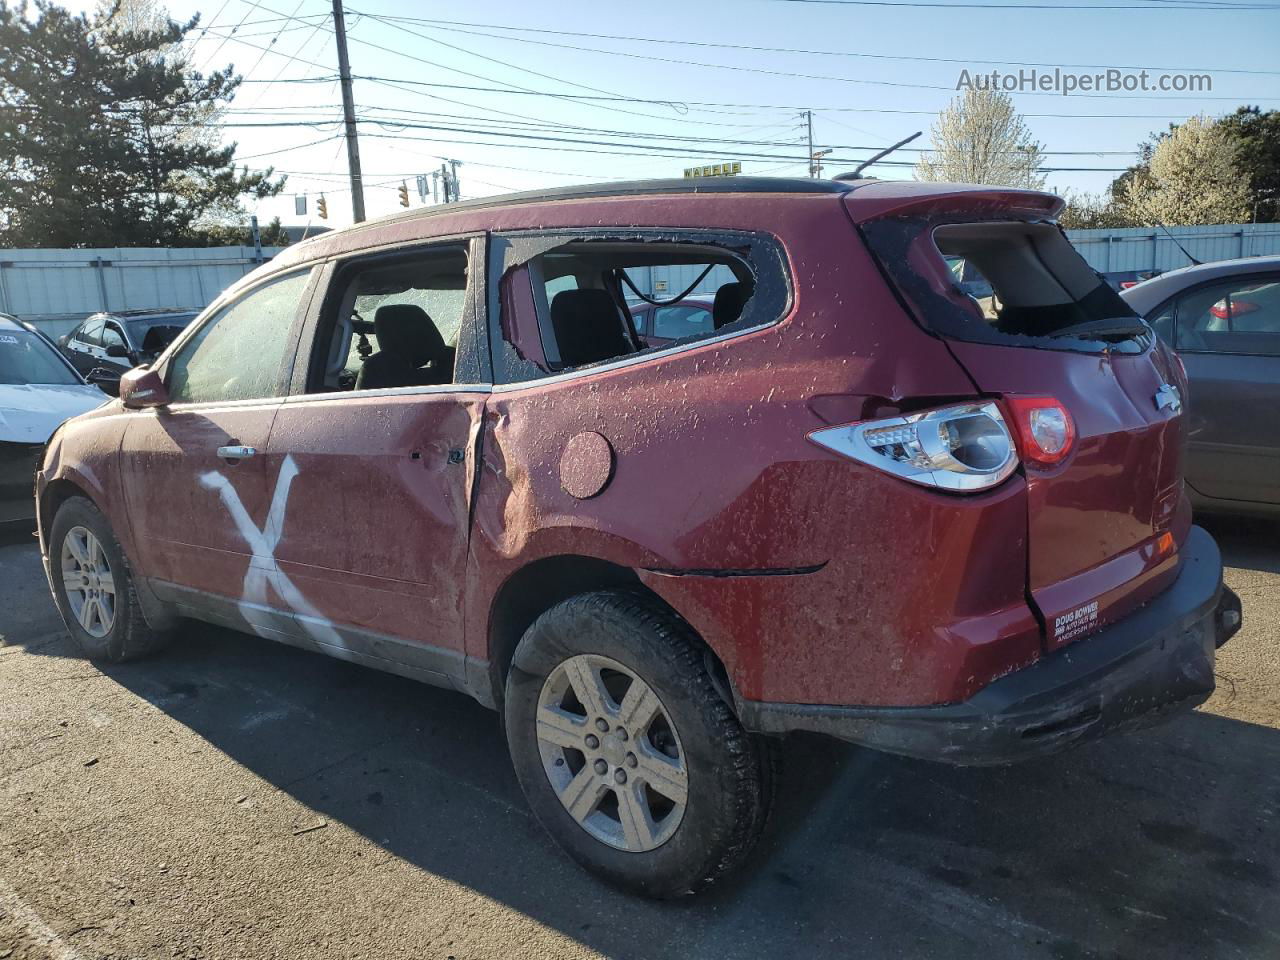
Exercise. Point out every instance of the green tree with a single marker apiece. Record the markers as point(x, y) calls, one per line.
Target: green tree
point(1257, 155)
point(240, 234)
point(95, 144)
point(1086, 211)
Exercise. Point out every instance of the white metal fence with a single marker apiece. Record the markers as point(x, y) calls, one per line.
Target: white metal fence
point(58, 288)
point(1143, 249)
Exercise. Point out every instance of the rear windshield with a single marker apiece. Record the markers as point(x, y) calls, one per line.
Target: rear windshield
point(1004, 282)
point(26, 359)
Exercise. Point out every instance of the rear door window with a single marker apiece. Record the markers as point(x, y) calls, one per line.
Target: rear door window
point(566, 302)
point(1238, 316)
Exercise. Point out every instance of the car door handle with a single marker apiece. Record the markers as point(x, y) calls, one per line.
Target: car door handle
point(236, 452)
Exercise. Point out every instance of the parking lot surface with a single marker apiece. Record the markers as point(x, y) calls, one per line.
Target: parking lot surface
point(239, 799)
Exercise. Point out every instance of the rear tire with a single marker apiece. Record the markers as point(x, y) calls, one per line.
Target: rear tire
point(627, 751)
point(93, 587)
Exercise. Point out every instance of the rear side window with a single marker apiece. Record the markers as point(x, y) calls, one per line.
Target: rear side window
point(243, 352)
point(1013, 282)
point(568, 302)
point(1238, 316)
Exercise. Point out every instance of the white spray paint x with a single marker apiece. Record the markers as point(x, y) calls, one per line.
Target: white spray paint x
point(264, 570)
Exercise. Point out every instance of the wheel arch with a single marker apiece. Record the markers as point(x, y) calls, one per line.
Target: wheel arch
point(158, 615)
point(57, 492)
point(539, 585)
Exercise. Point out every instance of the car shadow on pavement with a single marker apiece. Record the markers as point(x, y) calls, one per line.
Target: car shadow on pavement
point(1246, 542)
point(1158, 844)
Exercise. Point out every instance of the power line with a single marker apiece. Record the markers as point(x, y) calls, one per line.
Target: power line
point(457, 26)
point(771, 106)
point(766, 71)
point(565, 96)
point(571, 98)
point(532, 131)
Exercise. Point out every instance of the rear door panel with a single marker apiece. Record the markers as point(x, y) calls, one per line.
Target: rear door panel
point(1234, 430)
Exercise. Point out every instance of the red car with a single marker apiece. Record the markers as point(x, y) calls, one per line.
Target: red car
point(659, 322)
point(436, 444)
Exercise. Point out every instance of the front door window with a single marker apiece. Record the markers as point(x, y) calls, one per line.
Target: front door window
point(244, 351)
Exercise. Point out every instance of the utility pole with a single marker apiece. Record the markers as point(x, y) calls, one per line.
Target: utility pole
point(808, 118)
point(817, 162)
point(348, 114)
point(455, 164)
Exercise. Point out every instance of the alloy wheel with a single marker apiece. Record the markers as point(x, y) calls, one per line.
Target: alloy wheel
point(88, 583)
point(612, 753)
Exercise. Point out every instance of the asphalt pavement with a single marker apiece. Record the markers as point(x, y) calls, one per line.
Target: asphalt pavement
point(239, 799)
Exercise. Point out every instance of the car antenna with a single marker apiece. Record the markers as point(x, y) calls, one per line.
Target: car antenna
point(1194, 261)
point(879, 156)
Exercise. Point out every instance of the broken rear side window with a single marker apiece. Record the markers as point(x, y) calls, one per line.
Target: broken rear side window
point(1011, 282)
point(569, 302)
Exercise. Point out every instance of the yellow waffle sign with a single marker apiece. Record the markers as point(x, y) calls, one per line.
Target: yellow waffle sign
point(729, 169)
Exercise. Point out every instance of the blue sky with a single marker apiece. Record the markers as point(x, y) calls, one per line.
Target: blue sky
point(852, 96)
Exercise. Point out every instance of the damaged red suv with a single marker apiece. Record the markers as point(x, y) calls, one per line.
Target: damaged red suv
point(917, 484)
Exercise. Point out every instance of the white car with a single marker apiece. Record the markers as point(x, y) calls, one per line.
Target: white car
point(39, 389)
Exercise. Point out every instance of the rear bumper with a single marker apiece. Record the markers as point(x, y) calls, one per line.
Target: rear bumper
point(1156, 662)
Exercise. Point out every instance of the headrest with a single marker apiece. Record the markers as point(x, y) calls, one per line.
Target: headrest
point(405, 329)
point(728, 304)
point(588, 327)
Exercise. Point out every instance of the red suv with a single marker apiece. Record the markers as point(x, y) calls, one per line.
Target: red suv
point(862, 502)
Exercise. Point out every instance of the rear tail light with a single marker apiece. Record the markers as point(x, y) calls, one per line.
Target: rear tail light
point(1044, 429)
point(1227, 309)
point(965, 447)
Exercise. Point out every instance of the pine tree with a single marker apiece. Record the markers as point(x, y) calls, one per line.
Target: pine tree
point(95, 144)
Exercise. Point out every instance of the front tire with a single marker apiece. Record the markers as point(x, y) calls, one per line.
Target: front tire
point(627, 751)
point(93, 587)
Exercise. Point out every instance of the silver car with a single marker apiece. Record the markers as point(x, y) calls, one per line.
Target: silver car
point(1224, 320)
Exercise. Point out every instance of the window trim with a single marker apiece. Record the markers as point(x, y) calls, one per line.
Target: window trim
point(760, 242)
point(164, 363)
point(333, 273)
point(1176, 300)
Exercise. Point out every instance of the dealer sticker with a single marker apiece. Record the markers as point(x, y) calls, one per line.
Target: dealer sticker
point(1078, 621)
point(6, 338)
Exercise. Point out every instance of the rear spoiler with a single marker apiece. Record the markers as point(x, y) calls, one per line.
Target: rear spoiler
point(878, 199)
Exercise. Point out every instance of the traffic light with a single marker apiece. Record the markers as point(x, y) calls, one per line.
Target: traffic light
point(404, 194)
point(322, 208)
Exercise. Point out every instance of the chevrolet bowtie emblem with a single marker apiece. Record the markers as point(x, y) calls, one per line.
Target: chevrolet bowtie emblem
point(1168, 397)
